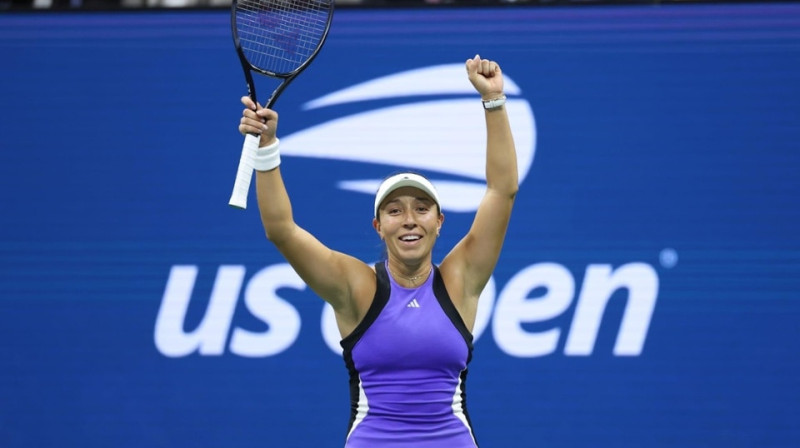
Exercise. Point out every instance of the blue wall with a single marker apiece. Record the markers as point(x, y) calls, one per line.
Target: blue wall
point(661, 184)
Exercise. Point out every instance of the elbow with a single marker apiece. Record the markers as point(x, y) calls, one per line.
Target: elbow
point(507, 189)
point(277, 232)
point(272, 236)
point(513, 189)
point(512, 194)
point(275, 236)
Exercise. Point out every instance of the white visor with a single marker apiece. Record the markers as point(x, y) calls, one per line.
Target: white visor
point(404, 180)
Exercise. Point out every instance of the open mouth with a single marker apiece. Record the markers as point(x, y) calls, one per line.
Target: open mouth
point(410, 238)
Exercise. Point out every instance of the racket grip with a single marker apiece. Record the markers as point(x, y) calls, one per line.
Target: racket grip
point(244, 174)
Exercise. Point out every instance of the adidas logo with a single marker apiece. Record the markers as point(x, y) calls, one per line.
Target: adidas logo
point(413, 304)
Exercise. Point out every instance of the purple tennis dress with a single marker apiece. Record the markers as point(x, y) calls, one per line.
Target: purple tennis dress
point(408, 366)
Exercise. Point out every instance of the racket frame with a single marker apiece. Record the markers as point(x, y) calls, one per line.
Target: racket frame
point(244, 173)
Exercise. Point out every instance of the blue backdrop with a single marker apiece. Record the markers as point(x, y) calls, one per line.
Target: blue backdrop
point(648, 290)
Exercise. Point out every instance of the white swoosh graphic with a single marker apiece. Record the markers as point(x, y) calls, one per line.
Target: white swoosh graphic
point(435, 80)
point(445, 136)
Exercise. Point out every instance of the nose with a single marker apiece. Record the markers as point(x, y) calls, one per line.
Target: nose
point(408, 220)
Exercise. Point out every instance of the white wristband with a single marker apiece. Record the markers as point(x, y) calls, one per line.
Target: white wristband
point(494, 103)
point(267, 157)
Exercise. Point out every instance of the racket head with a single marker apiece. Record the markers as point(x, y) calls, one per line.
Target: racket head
point(280, 38)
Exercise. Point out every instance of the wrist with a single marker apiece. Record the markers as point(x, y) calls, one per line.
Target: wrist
point(494, 102)
point(267, 157)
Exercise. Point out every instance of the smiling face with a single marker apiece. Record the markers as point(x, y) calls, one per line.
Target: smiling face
point(408, 222)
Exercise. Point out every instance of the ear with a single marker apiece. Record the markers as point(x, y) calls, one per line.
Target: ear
point(439, 224)
point(377, 226)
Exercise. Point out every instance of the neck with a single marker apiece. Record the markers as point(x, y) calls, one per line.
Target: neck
point(412, 277)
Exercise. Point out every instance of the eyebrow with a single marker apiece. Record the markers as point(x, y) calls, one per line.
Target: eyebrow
point(416, 198)
point(427, 201)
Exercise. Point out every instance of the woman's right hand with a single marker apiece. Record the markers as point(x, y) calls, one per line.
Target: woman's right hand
point(259, 121)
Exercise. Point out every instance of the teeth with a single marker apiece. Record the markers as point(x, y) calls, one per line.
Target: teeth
point(410, 238)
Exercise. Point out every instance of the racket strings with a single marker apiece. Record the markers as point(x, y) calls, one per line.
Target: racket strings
point(281, 35)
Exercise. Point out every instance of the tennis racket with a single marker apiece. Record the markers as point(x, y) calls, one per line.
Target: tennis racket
point(277, 39)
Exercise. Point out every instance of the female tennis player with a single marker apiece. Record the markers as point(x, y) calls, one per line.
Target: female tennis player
point(405, 322)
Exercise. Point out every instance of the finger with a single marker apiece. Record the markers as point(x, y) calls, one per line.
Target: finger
point(249, 114)
point(268, 114)
point(473, 64)
point(253, 121)
point(246, 129)
point(486, 67)
point(248, 102)
point(248, 126)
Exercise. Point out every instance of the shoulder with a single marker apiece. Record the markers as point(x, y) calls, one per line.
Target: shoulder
point(363, 283)
point(458, 285)
point(452, 273)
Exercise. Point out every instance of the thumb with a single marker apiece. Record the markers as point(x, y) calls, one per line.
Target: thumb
point(473, 64)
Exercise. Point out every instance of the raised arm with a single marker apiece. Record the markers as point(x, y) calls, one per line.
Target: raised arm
point(337, 278)
point(471, 262)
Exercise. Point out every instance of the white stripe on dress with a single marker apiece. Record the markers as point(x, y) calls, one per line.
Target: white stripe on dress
point(458, 409)
point(361, 409)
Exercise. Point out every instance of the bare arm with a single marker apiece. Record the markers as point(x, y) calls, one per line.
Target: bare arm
point(337, 278)
point(471, 262)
